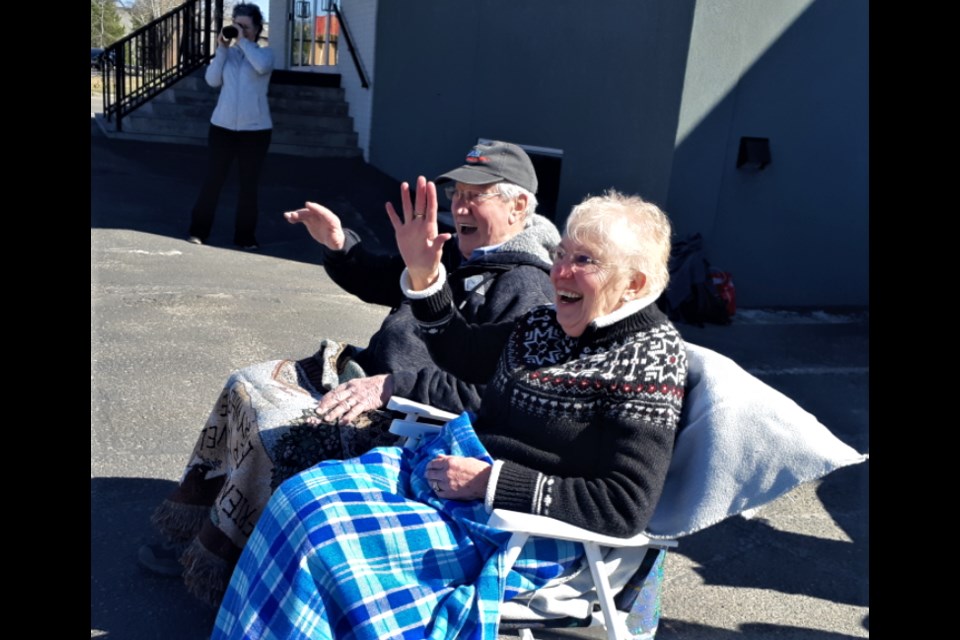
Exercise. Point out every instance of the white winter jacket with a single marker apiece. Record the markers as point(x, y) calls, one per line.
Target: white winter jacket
point(243, 73)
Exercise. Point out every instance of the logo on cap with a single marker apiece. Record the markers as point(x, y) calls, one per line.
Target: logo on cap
point(475, 157)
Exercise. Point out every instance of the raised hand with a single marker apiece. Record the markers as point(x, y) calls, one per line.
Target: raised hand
point(418, 239)
point(347, 401)
point(323, 224)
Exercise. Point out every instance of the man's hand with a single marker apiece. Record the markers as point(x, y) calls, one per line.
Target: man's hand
point(417, 238)
point(323, 224)
point(346, 402)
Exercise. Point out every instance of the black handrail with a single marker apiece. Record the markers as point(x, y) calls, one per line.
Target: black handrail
point(353, 50)
point(157, 55)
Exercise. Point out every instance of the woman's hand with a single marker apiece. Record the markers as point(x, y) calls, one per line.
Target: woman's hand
point(323, 224)
point(458, 478)
point(417, 238)
point(346, 402)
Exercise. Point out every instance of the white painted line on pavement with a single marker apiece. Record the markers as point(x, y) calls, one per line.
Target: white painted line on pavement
point(146, 253)
point(811, 371)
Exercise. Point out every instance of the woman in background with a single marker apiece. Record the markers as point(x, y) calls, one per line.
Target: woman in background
point(240, 127)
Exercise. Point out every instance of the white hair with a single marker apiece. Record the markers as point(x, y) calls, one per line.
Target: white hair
point(630, 232)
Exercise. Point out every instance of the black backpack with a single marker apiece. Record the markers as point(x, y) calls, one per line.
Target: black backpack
point(691, 296)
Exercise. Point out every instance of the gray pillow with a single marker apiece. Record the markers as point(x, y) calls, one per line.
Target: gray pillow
point(741, 444)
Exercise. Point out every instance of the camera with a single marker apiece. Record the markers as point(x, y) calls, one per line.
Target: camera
point(229, 32)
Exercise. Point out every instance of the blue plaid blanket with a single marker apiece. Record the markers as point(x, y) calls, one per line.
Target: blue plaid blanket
point(364, 549)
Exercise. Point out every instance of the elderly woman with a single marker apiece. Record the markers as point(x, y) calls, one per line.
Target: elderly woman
point(279, 417)
point(577, 422)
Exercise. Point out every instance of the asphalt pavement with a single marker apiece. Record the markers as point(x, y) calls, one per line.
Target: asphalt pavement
point(170, 320)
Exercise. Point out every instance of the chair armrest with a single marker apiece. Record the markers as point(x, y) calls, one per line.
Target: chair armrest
point(517, 521)
point(414, 430)
point(411, 408)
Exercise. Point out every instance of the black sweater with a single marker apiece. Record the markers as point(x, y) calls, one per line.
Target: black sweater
point(582, 428)
point(496, 287)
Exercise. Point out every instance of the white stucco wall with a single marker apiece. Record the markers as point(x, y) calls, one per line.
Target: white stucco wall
point(361, 17)
point(729, 36)
point(277, 17)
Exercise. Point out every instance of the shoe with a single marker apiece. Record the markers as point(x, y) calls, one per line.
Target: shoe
point(248, 247)
point(162, 558)
point(194, 240)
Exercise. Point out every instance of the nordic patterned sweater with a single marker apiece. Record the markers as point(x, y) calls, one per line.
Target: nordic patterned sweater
point(582, 429)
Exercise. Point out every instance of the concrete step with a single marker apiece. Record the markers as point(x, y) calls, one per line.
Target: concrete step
point(198, 84)
point(308, 121)
point(294, 106)
point(313, 151)
point(312, 121)
point(316, 151)
point(198, 128)
point(321, 107)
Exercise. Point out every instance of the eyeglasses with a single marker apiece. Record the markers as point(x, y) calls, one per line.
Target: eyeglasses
point(580, 261)
point(470, 197)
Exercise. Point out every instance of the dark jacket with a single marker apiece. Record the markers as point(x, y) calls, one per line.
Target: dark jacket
point(496, 287)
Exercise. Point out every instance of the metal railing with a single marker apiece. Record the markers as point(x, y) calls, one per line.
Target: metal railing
point(354, 54)
point(157, 55)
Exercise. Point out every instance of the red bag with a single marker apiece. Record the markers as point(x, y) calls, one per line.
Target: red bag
point(723, 281)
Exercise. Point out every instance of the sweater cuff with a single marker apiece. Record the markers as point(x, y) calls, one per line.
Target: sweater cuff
point(433, 306)
point(433, 289)
point(516, 487)
point(350, 240)
point(492, 485)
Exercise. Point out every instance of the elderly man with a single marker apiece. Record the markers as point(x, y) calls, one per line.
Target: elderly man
point(280, 417)
point(499, 263)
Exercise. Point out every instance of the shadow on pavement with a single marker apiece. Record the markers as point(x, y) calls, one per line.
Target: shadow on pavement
point(670, 630)
point(752, 554)
point(123, 596)
point(150, 187)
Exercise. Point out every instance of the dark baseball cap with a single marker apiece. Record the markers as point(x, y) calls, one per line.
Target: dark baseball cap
point(495, 162)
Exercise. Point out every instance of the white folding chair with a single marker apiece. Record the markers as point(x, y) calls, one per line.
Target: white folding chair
point(728, 415)
point(421, 421)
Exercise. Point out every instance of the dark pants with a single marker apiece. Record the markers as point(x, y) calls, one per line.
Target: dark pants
point(249, 148)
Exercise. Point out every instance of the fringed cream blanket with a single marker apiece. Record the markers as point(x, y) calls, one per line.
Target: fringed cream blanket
point(256, 437)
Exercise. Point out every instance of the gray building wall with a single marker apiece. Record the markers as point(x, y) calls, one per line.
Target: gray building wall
point(796, 72)
point(600, 81)
point(652, 97)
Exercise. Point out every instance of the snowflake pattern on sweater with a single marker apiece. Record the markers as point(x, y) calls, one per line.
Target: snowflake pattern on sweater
point(643, 376)
point(586, 423)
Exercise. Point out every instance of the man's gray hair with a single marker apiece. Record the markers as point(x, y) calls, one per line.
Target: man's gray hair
point(510, 191)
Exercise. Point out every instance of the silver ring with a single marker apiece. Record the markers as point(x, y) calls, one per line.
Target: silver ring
point(436, 486)
point(417, 215)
